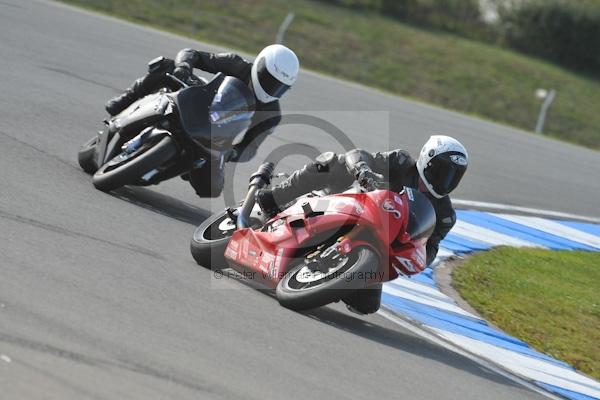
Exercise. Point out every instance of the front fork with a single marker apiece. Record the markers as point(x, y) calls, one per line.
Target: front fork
point(324, 257)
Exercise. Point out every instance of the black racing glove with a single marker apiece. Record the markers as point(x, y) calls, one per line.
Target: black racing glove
point(183, 72)
point(367, 178)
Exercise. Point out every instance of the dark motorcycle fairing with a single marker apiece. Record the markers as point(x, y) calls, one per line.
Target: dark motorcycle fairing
point(202, 107)
point(141, 114)
point(135, 118)
point(193, 104)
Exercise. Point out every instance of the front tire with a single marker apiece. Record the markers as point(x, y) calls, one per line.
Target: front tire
point(115, 173)
point(210, 240)
point(299, 290)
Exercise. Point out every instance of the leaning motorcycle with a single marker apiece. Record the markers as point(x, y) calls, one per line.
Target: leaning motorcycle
point(169, 133)
point(322, 248)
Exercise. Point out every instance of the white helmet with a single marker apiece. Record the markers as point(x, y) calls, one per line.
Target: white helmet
point(274, 71)
point(441, 164)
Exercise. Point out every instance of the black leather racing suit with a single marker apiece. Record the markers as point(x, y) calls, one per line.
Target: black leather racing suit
point(338, 172)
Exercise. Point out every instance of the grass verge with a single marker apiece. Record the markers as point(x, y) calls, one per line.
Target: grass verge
point(435, 67)
point(549, 299)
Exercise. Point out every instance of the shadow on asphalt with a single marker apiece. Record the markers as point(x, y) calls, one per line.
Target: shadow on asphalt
point(403, 342)
point(162, 204)
point(396, 339)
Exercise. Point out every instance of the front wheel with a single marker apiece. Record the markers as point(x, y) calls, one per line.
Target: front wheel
point(210, 240)
point(128, 168)
point(303, 288)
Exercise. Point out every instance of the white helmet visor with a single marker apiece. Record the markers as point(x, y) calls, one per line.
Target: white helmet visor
point(271, 85)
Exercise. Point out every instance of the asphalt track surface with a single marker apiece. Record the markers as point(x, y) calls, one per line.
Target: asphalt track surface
point(99, 297)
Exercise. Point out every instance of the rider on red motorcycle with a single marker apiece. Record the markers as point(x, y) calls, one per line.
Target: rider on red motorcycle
point(441, 164)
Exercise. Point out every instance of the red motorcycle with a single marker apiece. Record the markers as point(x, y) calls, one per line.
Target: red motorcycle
point(323, 247)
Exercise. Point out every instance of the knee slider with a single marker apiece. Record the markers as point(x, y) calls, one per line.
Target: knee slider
point(449, 221)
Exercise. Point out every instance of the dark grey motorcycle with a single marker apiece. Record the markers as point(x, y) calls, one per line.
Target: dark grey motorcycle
point(169, 133)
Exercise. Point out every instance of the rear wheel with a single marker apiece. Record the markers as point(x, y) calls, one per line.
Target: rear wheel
point(303, 288)
point(210, 240)
point(86, 156)
point(128, 168)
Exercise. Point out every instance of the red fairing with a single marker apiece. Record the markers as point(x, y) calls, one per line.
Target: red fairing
point(265, 254)
point(382, 214)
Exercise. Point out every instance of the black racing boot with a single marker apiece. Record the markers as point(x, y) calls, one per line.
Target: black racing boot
point(364, 301)
point(121, 102)
point(354, 310)
point(140, 88)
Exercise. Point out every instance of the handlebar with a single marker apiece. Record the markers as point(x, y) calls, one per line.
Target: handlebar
point(375, 186)
point(177, 80)
point(258, 180)
point(370, 187)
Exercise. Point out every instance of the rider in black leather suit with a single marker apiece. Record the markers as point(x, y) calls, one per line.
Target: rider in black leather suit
point(267, 114)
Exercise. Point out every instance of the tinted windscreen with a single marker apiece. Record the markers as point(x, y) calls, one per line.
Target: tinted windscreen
point(421, 221)
point(233, 102)
point(230, 112)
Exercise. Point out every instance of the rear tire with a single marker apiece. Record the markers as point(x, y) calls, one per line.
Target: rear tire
point(297, 295)
point(210, 240)
point(129, 172)
point(86, 156)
